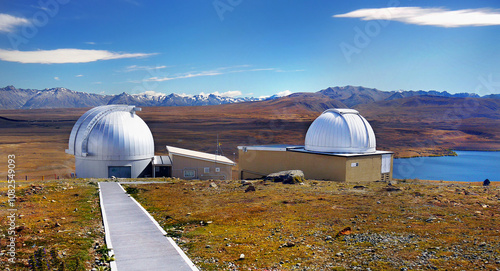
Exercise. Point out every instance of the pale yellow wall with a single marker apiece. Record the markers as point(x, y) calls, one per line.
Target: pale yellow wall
point(314, 166)
point(368, 168)
point(179, 163)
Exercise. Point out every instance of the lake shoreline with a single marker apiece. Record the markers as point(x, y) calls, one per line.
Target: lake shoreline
point(439, 153)
point(466, 166)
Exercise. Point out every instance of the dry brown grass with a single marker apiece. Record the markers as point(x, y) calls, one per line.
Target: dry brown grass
point(39, 137)
point(62, 215)
point(282, 227)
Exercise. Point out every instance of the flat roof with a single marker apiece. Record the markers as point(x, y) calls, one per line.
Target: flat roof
point(163, 160)
point(277, 147)
point(297, 148)
point(200, 155)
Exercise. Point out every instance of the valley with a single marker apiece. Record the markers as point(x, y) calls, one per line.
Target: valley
point(412, 126)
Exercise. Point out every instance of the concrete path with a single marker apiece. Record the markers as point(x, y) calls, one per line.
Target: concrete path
point(137, 241)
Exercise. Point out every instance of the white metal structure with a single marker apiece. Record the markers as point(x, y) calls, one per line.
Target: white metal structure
point(200, 155)
point(340, 131)
point(111, 140)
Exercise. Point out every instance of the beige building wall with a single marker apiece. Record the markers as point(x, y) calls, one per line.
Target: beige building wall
point(367, 168)
point(184, 165)
point(258, 163)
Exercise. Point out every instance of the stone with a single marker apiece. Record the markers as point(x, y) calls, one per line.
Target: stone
point(250, 188)
point(245, 182)
point(20, 229)
point(391, 188)
point(486, 182)
point(359, 187)
point(430, 219)
point(288, 244)
point(345, 231)
point(213, 185)
point(242, 256)
point(287, 177)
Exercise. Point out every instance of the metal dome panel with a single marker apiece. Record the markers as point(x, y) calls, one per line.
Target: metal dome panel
point(340, 131)
point(111, 132)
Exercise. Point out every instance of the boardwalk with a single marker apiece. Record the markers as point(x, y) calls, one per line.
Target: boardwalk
point(136, 239)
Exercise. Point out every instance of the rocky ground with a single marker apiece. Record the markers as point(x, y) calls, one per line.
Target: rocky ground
point(316, 225)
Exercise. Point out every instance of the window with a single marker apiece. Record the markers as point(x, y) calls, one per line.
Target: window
point(354, 164)
point(119, 172)
point(189, 173)
point(217, 169)
point(206, 170)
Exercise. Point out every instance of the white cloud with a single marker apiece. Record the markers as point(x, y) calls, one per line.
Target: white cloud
point(57, 78)
point(284, 93)
point(279, 94)
point(90, 43)
point(59, 56)
point(231, 93)
point(9, 22)
point(185, 75)
point(152, 93)
point(143, 68)
point(429, 16)
point(217, 71)
point(79, 75)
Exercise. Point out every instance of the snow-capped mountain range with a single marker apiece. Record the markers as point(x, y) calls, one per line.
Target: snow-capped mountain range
point(348, 96)
point(14, 98)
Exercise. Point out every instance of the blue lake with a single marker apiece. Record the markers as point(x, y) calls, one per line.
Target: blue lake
point(468, 166)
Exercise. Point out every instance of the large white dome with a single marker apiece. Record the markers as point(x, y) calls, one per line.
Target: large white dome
point(111, 132)
point(340, 131)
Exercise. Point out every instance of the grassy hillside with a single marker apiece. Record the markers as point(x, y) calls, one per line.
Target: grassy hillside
point(406, 226)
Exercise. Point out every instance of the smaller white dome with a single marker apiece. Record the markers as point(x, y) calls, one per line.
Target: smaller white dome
point(340, 131)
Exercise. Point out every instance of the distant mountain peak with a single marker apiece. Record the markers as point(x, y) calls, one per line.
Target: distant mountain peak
point(347, 96)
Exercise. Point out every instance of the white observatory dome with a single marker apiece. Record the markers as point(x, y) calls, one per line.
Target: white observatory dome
point(340, 131)
point(111, 132)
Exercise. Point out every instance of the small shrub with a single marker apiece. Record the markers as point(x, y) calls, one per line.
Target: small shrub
point(132, 190)
point(41, 261)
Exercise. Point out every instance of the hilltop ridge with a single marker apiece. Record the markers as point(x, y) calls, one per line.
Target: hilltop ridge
point(347, 96)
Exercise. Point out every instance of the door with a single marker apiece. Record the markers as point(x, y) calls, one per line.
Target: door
point(163, 171)
point(120, 172)
point(386, 163)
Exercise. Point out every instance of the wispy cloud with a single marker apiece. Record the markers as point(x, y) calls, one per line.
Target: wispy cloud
point(440, 17)
point(279, 94)
point(231, 93)
point(79, 75)
point(152, 93)
point(8, 22)
point(60, 56)
point(213, 72)
point(284, 93)
point(143, 68)
point(57, 78)
point(90, 42)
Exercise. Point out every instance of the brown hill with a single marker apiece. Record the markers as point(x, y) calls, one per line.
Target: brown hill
point(411, 125)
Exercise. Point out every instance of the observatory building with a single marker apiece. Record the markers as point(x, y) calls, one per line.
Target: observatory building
point(339, 146)
point(112, 140)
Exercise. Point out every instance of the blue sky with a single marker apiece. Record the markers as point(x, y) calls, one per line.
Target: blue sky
point(250, 47)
